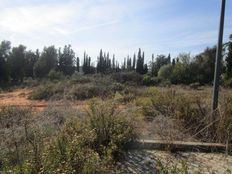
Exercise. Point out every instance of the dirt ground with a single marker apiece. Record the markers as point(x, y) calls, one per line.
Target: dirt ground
point(20, 97)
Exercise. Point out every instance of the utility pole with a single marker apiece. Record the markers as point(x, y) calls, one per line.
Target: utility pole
point(218, 59)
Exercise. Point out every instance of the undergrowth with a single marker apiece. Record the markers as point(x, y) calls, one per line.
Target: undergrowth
point(89, 143)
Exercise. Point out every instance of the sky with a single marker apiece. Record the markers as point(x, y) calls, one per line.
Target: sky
point(120, 27)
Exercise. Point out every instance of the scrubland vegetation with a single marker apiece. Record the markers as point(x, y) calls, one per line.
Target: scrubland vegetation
point(91, 139)
point(119, 102)
point(64, 140)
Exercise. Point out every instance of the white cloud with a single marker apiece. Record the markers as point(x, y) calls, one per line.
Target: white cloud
point(118, 26)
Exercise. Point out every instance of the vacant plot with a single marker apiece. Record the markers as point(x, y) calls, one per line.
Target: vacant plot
point(100, 125)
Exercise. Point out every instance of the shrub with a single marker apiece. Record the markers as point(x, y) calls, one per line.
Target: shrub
point(165, 83)
point(13, 149)
point(180, 74)
point(88, 91)
point(71, 151)
point(150, 81)
point(29, 82)
point(55, 75)
point(113, 128)
point(48, 91)
point(165, 72)
point(195, 85)
point(192, 110)
point(89, 144)
point(92, 144)
point(227, 83)
point(146, 107)
point(77, 78)
point(117, 87)
point(128, 77)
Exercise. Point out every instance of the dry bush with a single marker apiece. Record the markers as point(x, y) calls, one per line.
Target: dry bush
point(78, 143)
point(193, 110)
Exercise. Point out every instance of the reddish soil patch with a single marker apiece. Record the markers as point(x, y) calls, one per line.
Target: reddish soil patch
point(20, 97)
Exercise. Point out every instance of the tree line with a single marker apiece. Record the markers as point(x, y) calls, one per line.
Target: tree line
point(17, 63)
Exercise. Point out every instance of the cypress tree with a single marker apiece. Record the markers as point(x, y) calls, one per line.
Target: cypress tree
point(173, 62)
point(78, 64)
point(145, 69)
point(169, 59)
point(134, 62)
point(113, 62)
point(140, 63)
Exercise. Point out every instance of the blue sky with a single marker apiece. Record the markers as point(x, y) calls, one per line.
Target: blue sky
point(117, 26)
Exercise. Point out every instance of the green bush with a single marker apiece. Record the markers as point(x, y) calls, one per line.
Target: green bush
point(55, 75)
point(29, 82)
point(13, 149)
point(195, 85)
point(87, 91)
point(77, 78)
point(48, 91)
point(71, 151)
point(165, 72)
point(150, 81)
point(227, 83)
point(89, 144)
point(113, 128)
point(128, 77)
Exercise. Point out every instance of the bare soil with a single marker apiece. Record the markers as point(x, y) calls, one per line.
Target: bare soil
point(20, 97)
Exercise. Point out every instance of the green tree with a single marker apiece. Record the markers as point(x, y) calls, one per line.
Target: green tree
point(30, 59)
point(5, 47)
point(145, 69)
point(165, 72)
point(140, 62)
point(229, 58)
point(47, 61)
point(204, 63)
point(66, 60)
point(103, 63)
point(160, 61)
point(113, 63)
point(128, 63)
point(181, 71)
point(78, 64)
point(152, 65)
point(17, 63)
point(134, 62)
point(86, 67)
point(173, 62)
